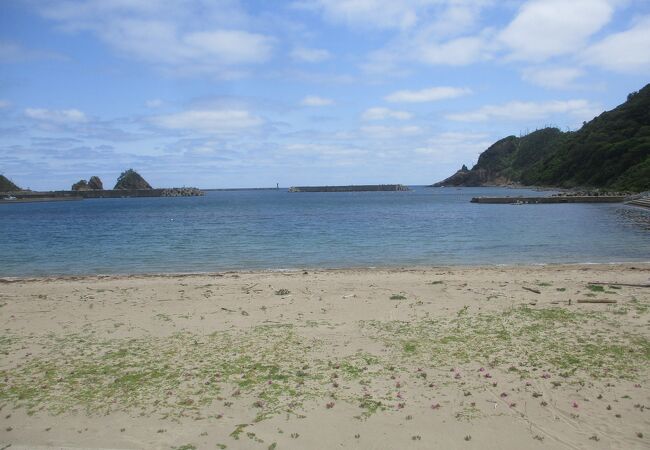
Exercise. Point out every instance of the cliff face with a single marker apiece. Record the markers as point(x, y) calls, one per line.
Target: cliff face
point(131, 179)
point(611, 151)
point(6, 185)
point(505, 160)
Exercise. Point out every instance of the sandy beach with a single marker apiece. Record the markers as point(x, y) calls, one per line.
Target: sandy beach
point(461, 357)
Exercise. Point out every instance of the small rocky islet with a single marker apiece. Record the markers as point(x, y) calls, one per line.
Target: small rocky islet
point(129, 184)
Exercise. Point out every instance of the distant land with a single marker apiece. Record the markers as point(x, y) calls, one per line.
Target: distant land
point(612, 151)
point(6, 185)
point(129, 184)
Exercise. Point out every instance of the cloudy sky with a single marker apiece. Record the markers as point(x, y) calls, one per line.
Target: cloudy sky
point(236, 93)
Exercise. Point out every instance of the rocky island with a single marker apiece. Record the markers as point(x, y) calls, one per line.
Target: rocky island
point(129, 184)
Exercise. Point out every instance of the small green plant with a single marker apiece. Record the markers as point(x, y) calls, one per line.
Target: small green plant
point(410, 347)
point(397, 297)
point(186, 447)
point(239, 429)
point(282, 292)
point(595, 288)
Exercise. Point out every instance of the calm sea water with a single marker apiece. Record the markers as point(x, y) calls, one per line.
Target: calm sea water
point(278, 230)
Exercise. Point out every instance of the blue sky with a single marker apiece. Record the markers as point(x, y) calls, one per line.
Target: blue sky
point(228, 93)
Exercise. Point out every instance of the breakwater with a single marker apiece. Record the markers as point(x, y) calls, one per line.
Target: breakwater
point(9, 200)
point(351, 188)
point(108, 193)
point(554, 199)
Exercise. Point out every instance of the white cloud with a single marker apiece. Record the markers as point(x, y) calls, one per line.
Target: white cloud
point(310, 55)
point(368, 13)
point(553, 77)
point(627, 51)
point(4, 104)
point(12, 52)
point(452, 147)
point(227, 46)
point(423, 49)
point(214, 121)
point(314, 100)
point(380, 113)
point(518, 110)
point(189, 37)
point(386, 132)
point(456, 52)
point(547, 28)
point(320, 150)
point(154, 103)
point(427, 95)
point(61, 116)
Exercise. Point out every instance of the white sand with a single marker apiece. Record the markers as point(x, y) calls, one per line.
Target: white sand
point(468, 358)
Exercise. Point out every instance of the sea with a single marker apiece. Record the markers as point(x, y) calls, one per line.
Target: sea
point(278, 230)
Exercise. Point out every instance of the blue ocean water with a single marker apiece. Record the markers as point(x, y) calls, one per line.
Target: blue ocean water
point(279, 230)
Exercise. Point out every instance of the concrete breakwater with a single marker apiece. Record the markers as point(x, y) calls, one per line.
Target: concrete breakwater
point(108, 193)
point(9, 200)
point(351, 188)
point(554, 199)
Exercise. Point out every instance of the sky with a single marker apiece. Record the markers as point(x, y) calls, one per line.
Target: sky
point(236, 93)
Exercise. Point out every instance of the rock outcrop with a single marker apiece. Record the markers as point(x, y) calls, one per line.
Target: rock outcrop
point(81, 185)
point(131, 179)
point(95, 183)
point(6, 185)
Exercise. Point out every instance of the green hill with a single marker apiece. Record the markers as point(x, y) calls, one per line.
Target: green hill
point(6, 185)
point(131, 179)
point(612, 151)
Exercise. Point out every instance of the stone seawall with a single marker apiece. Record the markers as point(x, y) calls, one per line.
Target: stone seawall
point(546, 200)
point(352, 188)
point(112, 193)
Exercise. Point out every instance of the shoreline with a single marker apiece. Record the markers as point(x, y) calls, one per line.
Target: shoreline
point(300, 270)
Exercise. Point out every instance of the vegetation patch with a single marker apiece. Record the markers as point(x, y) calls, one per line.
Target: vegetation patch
point(535, 338)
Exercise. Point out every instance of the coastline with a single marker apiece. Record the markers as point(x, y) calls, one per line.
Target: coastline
point(310, 269)
point(408, 357)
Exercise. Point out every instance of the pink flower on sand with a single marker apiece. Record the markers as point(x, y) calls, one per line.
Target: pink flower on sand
point(482, 369)
point(487, 375)
point(546, 375)
point(435, 406)
point(574, 404)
